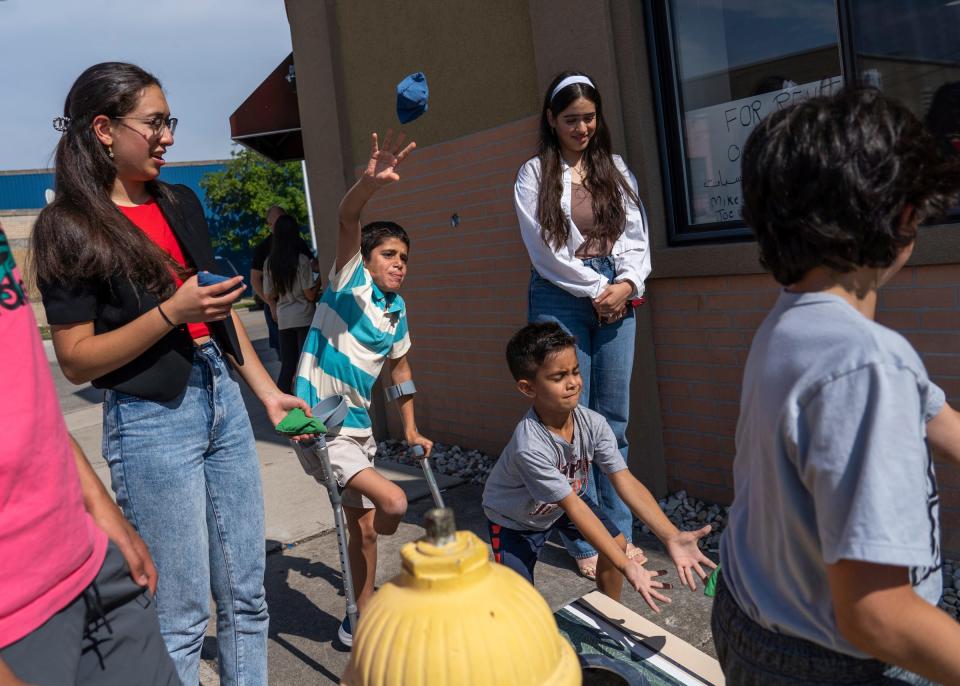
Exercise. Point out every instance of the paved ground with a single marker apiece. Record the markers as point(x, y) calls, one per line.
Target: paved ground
point(303, 574)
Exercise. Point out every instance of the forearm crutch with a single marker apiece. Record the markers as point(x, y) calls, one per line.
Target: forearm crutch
point(318, 447)
point(395, 393)
point(428, 475)
point(316, 462)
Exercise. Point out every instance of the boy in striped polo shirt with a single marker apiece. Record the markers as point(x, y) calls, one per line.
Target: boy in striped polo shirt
point(361, 322)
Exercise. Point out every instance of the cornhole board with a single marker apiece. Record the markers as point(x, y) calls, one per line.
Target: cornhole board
point(597, 624)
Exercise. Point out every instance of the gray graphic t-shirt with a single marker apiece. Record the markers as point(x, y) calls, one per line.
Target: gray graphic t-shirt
point(832, 463)
point(537, 469)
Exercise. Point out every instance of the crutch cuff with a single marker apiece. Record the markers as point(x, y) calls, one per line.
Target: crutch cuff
point(400, 390)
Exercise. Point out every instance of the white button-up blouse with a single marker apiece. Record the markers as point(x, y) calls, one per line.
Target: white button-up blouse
point(631, 252)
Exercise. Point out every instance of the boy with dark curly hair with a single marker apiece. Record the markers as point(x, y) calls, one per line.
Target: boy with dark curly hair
point(831, 559)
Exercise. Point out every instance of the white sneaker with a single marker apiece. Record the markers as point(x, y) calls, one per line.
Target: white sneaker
point(345, 632)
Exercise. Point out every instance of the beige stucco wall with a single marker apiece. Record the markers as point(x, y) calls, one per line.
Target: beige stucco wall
point(477, 56)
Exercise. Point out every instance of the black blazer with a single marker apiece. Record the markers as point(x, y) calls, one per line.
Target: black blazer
point(162, 371)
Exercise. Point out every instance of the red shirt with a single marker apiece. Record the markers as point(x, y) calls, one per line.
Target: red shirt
point(149, 219)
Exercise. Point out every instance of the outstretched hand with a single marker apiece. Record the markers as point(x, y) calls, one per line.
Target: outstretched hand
point(382, 167)
point(645, 583)
point(279, 404)
point(687, 556)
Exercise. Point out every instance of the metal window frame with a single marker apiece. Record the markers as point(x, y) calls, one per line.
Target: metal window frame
point(664, 77)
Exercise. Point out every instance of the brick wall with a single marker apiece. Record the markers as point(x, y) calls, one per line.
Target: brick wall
point(466, 290)
point(702, 332)
point(466, 294)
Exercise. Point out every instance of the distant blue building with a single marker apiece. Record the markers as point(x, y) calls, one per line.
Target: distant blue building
point(24, 191)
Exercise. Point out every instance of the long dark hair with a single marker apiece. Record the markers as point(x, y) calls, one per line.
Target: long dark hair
point(606, 184)
point(81, 235)
point(284, 259)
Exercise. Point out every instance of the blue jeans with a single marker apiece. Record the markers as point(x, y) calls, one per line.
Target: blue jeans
point(273, 329)
point(605, 353)
point(187, 476)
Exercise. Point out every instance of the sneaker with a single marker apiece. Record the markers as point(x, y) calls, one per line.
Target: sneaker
point(345, 632)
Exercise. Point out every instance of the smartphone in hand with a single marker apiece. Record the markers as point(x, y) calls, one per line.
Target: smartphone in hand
point(205, 278)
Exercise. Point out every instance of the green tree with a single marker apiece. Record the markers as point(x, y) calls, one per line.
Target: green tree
point(240, 195)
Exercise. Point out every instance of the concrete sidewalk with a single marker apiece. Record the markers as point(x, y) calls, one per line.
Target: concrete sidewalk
point(303, 581)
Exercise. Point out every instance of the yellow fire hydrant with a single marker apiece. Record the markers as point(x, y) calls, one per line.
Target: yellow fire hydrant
point(453, 617)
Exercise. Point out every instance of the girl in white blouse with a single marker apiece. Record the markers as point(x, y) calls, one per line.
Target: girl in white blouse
point(585, 230)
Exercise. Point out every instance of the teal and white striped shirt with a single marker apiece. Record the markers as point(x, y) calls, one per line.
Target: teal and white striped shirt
point(355, 329)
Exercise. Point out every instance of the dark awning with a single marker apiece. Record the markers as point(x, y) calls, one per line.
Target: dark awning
point(269, 120)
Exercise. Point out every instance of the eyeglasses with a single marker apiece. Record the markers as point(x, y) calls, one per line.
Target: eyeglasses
point(156, 124)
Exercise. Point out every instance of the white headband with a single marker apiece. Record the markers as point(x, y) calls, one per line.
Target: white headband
point(576, 78)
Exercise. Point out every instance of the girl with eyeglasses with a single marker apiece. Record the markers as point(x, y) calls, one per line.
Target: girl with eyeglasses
point(116, 255)
point(585, 230)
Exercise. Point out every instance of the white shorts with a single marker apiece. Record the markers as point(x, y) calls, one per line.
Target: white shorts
point(350, 455)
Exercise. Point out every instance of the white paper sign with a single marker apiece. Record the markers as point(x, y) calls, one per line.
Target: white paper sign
point(715, 136)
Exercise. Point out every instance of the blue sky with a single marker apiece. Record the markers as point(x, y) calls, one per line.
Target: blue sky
point(209, 54)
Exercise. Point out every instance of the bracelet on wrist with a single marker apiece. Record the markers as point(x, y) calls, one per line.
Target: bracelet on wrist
point(165, 317)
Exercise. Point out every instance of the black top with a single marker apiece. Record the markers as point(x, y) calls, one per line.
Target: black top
point(262, 252)
point(161, 372)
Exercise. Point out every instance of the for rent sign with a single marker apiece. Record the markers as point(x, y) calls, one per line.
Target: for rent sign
point(715, 137)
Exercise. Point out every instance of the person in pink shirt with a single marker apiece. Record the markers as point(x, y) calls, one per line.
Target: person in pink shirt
point(76, 580)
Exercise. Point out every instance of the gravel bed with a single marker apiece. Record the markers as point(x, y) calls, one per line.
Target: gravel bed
point(688, 513)
point(685, 511)
point(470, 465)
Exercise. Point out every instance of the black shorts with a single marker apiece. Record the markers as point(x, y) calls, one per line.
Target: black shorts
point(752, 655)
point(519, 549)
point(108, 636)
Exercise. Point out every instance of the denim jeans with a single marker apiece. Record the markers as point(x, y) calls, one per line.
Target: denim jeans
point(273, 329)
point(751, 655)
point(187, 476)
point(605, 353)
point(291, 343)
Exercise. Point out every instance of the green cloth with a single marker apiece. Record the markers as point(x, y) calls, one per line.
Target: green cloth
point(710, 588)
point(297, 423)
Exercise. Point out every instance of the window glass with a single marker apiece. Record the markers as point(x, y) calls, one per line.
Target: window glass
point(911, 50)
point(736, 61)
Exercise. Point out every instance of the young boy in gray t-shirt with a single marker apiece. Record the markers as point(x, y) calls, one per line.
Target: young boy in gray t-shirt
point(831, 558)
point(537, 485)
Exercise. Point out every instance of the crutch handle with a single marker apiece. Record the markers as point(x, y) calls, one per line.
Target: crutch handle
point(418, 453)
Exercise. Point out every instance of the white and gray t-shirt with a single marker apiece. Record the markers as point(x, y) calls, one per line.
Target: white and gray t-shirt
point(537, 469)
point(832, 463)
point(293, 309)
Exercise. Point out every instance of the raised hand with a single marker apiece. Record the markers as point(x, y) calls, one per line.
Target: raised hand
point(644, 582)
point(382, 167)
point(687, 556)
